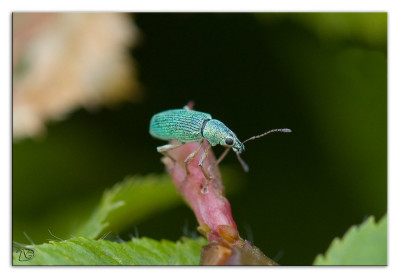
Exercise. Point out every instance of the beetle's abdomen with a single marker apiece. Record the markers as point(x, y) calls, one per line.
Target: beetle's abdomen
point(178, 124)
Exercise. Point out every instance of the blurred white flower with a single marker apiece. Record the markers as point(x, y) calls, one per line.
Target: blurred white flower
point(64, 61)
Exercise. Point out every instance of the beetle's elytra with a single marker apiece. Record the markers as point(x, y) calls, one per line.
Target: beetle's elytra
point(186, 126)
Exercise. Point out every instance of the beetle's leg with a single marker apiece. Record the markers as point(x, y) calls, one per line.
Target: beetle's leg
point(219, 159)
point(190, 157)
point(222, 156)
point(203, 157)
point(164, 149)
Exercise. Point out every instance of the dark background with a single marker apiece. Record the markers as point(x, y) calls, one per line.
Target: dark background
point(322, 75)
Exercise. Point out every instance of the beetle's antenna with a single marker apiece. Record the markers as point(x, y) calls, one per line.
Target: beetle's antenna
point(244, 165)
point(285, 130)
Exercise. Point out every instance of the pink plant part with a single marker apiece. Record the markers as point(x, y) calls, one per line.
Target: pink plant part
point(205, 197)
point(212, 210)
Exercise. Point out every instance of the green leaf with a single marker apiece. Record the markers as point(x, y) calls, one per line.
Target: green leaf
point(129, 202)
point(363, 245)
point(84, 251)
point(135, 199)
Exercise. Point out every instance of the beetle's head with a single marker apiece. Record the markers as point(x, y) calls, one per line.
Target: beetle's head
point(231, 141)
point(217, 132)
point(237, 146)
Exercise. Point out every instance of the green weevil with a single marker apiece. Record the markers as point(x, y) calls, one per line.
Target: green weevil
point(187, 126)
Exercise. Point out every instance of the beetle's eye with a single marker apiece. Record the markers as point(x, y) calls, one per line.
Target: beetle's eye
point(229, 141)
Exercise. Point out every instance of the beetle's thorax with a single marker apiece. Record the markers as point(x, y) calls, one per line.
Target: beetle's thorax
point(216, 132)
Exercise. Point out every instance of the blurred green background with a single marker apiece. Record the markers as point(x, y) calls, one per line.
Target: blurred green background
point(324, 75)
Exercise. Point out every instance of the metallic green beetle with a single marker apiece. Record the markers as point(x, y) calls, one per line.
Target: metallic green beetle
point(187, 126)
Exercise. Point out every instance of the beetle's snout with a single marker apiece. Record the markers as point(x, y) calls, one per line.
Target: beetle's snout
point(238, 147)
